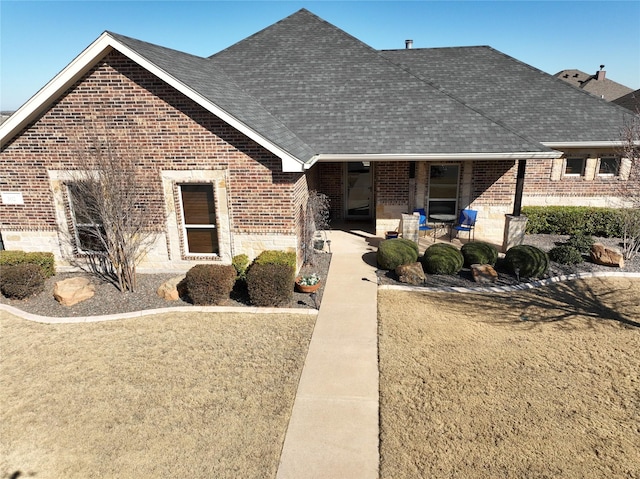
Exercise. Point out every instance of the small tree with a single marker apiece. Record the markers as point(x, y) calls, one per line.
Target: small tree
point(630, 188)
point(112, 230)
point(315, 218)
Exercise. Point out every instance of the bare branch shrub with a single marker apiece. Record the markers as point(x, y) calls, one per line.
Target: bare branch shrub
point(112, 230)
point(315, 221)
point(629, 189)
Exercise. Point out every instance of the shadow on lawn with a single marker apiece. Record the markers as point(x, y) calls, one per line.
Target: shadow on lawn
point(595, 300)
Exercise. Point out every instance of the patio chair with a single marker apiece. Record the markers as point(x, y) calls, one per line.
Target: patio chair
point(422, 224)
point(466, 222)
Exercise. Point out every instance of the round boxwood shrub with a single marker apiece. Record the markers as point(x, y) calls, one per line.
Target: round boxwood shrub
point(565, 254)
point(395, 252)
point(478, 252)
point(580, 241)
point(442, 258)
point(527, 261)
point(19, 281)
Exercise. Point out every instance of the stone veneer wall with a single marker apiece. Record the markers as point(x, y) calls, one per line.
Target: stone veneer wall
point(172, 138)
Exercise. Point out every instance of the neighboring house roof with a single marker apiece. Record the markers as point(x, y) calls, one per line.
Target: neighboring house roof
point(631, 101)
point(516, 94)
point(597, 84)
point(307, 91)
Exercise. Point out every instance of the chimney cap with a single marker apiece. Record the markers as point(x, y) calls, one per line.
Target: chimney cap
point(408, 44)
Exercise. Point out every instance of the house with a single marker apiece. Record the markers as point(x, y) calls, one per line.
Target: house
point(597, 84)
point(243, 135)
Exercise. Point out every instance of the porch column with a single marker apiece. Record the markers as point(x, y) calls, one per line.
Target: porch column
point(515, 224)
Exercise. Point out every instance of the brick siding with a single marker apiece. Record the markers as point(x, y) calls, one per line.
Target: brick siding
point(165, 130)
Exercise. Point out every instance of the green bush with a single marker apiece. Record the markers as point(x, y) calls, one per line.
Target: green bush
point(395, 252)
point(270, 284)
point(478, 252)
point(277, 257)
point(45, 261)
point(565, 254)
point(442, 258)
point(19, 281)
point(581, 242)
point(210, 284)
point(241, 263)
point(568, 220)
point(527, 261)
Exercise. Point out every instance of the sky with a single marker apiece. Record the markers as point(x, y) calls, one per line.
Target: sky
point(39, 38)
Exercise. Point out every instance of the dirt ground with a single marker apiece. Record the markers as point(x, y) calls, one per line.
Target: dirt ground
point(537, 384)
point(168, 396)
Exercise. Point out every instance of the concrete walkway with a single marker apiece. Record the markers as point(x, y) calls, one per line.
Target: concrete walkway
point(333, 431)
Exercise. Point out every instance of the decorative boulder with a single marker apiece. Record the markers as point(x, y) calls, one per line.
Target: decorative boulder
point(484, 273)
point(73, 290)
point(411, 273)
point(600, 254)
point(172, 290)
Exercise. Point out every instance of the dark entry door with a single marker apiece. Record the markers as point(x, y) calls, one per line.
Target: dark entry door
point(359, 188)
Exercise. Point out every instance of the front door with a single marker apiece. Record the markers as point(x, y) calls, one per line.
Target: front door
point(359, 182)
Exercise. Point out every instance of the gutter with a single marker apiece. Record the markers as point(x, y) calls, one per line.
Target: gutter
point(523, 155)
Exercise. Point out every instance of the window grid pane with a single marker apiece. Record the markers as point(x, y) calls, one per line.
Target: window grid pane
point(574, 166)
point(609, 166)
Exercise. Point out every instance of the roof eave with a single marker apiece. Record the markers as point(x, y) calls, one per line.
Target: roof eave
point(87, 59)
point(583, 144)
point(518, 155)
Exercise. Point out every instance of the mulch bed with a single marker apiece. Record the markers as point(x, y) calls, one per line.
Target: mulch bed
point(108, 300)
point(464, 278)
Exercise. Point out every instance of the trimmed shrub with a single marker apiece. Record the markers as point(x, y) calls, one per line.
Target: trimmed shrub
point(568, 220)
point(581, 242)
point(241, 263)
point(270, 284)
point(442, 258)
point(210, 284)
point(527, 260)
point(478, 252)
point(45, 261)
point(565, 254)
point(395, 252)
point(276, 257)
point(19, 281)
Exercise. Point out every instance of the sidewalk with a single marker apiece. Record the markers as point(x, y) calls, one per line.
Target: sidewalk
point(333, 430)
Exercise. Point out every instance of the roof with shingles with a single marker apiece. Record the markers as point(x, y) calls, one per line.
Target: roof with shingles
point(514, 93)
point(598, 84)
point(342, 97)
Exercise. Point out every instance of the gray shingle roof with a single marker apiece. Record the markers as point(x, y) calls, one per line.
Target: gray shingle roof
point(598, 84)
point(340, 96)
point(524, 98)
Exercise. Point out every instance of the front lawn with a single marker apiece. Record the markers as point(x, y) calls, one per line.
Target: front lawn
point(174, 395)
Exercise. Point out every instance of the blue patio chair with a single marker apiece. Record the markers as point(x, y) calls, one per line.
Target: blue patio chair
point(422, 225)
point(466, 222)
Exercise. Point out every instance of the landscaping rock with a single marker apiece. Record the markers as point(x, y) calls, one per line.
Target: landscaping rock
point(411, 273)
point(73, 290)
point(600, 254)
point(484, 273)
point(171, 290)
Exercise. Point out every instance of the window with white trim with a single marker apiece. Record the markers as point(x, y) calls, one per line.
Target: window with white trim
point(574, 166)
point(88, 229)
point(198, 210)
point(609, 166)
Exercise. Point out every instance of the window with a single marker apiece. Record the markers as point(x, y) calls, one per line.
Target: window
point(88, 230)
point(443, 190)
point(199, 219)
point(574, 167)
point(609, 166)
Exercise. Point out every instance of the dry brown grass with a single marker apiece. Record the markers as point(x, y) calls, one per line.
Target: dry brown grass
point(176, 395)
point(536, 384)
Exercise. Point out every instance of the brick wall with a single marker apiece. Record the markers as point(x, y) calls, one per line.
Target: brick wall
point(165, 130)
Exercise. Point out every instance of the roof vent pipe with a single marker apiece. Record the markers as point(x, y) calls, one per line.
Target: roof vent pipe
point(408, 44)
